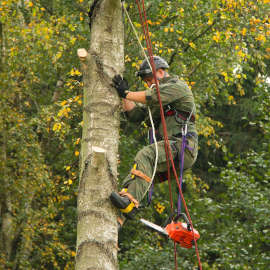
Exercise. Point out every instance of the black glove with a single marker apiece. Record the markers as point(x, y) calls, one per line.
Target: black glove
point(121, 85)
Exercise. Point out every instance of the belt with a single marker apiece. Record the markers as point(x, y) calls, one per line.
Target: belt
point(181, 114)
point(189, 134)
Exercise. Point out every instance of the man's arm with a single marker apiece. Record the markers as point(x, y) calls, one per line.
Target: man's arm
point(139, 96)
point(128, 105)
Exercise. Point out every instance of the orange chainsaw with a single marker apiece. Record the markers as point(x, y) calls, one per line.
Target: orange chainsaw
point(179, 232)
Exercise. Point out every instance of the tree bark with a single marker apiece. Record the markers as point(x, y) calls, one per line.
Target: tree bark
point(97, 227)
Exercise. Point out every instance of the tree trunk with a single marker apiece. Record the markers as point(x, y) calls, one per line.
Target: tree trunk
point(97, 227)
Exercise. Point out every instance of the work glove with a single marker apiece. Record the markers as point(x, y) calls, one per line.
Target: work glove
point(121, 85)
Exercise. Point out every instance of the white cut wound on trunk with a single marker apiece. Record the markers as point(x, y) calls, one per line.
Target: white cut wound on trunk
point(82, 53)
point(98, 149)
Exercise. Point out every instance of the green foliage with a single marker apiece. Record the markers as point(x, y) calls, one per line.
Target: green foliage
point(220, 48)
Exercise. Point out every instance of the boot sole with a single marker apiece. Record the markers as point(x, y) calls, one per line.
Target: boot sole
point(117, 201)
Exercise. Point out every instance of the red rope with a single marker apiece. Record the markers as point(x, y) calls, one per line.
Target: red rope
point(149, 48)
point(166, 140)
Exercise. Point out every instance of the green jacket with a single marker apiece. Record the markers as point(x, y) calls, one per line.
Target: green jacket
point(173, 92)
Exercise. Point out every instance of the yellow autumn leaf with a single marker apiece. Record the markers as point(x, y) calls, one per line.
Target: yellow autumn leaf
point(261, 38)
point(68, 168)
point(244, 31)
point(242, 92)
point(241, 54)
point(59, 54)
point(137, 24)
point(76, 153)
point(56, 127)
point(76, 98)
point(210, 21)
point(226, 78)
point(216, 37)
point(159, 207)
point(192, 45)
point(72, 72)
point(77, 72)
point(72, 41)
point(69, 181)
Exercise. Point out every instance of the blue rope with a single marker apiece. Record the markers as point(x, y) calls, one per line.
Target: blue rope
point(181, 160)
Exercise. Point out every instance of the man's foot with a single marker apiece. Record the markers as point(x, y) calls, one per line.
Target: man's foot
point(125, 202)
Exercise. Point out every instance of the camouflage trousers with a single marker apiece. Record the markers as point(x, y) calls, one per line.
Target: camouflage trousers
point(145, 161)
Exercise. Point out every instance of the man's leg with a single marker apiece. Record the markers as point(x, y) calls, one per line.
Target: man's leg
point(137, 183)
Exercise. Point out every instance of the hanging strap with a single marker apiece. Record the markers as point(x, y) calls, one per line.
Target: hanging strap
point(124, 192)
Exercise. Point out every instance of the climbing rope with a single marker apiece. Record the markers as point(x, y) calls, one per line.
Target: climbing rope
point(169, 158)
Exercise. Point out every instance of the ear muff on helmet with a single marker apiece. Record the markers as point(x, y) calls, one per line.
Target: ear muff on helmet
point(145, 69)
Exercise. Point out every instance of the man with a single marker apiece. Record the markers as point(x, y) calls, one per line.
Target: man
point(179, 109)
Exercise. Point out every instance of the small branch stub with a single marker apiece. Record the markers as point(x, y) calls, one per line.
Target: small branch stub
point(82, 53)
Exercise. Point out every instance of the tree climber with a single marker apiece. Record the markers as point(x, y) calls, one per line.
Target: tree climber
point(179, 106)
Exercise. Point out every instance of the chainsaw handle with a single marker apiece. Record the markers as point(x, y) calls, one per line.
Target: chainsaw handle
point(185, 218)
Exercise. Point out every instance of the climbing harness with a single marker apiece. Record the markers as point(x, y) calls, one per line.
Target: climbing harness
point(169, 110)
point(176, 231)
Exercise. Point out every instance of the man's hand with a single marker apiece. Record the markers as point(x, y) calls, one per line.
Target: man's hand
point(121, 85)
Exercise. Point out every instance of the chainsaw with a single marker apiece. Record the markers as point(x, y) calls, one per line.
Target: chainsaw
point(179, 232)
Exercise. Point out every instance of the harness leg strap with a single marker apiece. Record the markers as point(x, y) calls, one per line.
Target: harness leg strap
point(141, 175)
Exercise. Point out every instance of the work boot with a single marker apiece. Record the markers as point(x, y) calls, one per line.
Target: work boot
point(125, 203)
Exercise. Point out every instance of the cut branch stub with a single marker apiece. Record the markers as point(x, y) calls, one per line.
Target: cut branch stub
point(82, 53)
